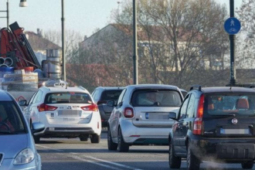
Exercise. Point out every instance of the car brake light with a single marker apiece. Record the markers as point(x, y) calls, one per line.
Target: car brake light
point(128, 112)
point(197, 127)
point(44, 107)
point(92, 107)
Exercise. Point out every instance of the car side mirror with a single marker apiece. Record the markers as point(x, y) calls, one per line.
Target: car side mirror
point(23, 102)
point(37, 127)
point(120, 104)
point(172, 115)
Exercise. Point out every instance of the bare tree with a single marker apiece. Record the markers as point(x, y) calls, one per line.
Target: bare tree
point(178, 35)
point(177, 40)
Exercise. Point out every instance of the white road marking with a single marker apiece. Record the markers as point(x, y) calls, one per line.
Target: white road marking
point(113, 163)
point(93, 162)
point(93, 158)
point(49, 148)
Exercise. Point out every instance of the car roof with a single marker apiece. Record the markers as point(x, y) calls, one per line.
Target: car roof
point(110, 88)
point(226, 89)
point(153, 86)
point(4, 96)
point(63, 89)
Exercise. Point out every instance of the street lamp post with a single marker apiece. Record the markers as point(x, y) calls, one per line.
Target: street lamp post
point(7, 12)
point(63, 42)
point(23, 3)
point(135, 60)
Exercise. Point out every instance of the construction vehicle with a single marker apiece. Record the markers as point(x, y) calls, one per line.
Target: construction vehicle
point(21, 73)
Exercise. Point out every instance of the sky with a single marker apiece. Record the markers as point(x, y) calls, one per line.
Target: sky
point(82, 16)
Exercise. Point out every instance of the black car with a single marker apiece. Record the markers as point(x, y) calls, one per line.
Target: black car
point(103, 94)
point(214, 123)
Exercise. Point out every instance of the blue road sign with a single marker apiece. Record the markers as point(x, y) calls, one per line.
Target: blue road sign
point(232, 26)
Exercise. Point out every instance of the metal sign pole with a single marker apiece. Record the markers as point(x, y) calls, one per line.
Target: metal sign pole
point(232, 49)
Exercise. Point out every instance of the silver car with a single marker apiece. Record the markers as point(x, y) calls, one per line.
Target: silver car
point(17, 148)
point(141, 115)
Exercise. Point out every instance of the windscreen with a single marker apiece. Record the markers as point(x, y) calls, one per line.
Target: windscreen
point(161, 98)
point(10, 118)
point(67, 97)
point(110, 95)
point(230, 103)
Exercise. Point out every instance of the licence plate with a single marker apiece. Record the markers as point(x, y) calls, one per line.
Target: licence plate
point(157, 116)
point(234, 131)
point(68, 119)
point(69, 113)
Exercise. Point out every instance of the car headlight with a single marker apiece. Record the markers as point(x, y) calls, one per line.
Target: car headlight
point(24, 157)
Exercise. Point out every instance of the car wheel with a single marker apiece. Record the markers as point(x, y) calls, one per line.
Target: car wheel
point(111, 145)
point(83, 137)
point(247, 165)
point(122, 146)
point(95, 138)
point(174, 161)
point(193, 163)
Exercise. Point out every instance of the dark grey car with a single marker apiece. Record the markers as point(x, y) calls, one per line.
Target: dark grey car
point(103, 94)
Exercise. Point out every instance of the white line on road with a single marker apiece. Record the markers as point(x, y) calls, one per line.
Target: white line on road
point(93, 158)
point(113, 163)
point(96, 163)
point(49, 148)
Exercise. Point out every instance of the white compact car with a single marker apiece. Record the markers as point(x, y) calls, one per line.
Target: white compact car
point(141, 116)
point(65, 112)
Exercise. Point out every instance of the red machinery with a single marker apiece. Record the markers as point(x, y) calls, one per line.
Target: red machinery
point(15, 50)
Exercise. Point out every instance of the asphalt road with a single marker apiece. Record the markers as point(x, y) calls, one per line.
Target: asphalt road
point(66, 154)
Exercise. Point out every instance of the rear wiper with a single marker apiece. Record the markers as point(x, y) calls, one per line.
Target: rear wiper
point(225, 115)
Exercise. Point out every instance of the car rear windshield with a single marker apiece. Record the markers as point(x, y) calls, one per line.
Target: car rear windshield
point(230, 103)
point(67, 97)
point(160, 97)
point(110, 95)
point(11, 121)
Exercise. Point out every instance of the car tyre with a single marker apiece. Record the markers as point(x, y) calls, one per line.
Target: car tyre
point(247, 165)
point(174, 161)
point(84, 137)
point(95, 138)
point(111, 145)
point(193, 163)
point(122, 146)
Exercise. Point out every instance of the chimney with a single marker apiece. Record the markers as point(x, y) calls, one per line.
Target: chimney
point(85, 37)
point(39, 32)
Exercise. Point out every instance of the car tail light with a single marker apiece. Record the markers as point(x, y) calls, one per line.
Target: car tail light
point(128, 112)
point(197, 126)
point(92, 107)
point(44, 107)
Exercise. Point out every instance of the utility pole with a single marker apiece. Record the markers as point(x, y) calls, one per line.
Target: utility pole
point(63, 42)
point(232, 49)
point(7, 13)
point(135, 59)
